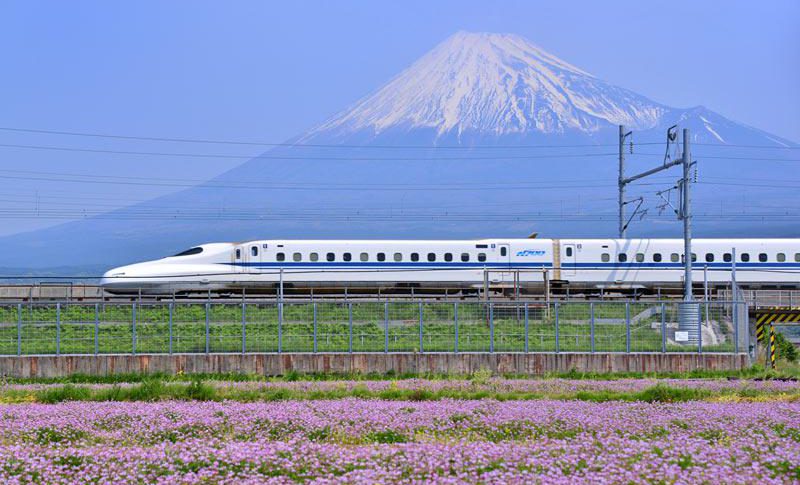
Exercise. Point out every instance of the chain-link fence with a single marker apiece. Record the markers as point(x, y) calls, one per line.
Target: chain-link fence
point(423, 326)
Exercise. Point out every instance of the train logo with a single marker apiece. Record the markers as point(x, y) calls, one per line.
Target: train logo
point(531, 252)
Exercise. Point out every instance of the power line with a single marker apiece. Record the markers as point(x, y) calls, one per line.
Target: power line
point(301, 145)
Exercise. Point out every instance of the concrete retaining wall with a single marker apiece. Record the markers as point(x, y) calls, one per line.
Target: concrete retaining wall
point(277, 364)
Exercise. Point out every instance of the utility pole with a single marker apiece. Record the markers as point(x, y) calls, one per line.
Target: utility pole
point(686, 215)
point(621, 181)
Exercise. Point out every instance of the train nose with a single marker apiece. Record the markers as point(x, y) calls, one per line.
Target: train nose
point(113, 278)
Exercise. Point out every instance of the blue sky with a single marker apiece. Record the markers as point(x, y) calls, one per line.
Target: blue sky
point(267, 70)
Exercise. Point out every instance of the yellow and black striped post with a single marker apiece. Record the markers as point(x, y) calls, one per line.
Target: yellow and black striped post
point(772, 346)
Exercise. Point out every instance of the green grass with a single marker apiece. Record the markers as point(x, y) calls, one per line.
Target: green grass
point(115, 331)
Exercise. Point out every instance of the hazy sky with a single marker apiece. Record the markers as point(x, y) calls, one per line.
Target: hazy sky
point(266, 71)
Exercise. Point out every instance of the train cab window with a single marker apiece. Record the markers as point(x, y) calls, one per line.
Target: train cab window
point(709, 257)
point(192, 251)
point(280, 257)
point(364, 257)
point(347, 256)
point(745, 257)
point(238, 253)
point(605, 257)
point(674, 257)
point(504, 251)
point(381, 256)
point(762, 257)
point(622, 257)
point(414, 256)
point(780, 257)
point(727, 257)
point(254, 250)
point(330, 257)
point(448, 257)
point(481, 257)
point(398, 256)
point(568, 251)
point(640, 257)
point(431, 257)
point(464, 257)
point(313, 256)
point(297, 257)
point(656, 257)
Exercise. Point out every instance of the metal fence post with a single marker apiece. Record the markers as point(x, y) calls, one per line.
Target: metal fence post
point(208, 340)
point(169, 325)
point(735, 327)
point(627, 327)
point(491, 327)
point(556, 312)
point(350, 319)
point(133, 330)
point(96, 328)
point(244, 328)
point(421, 347)
point(19, 328)
point(386, 327)
point(663, 328)
point(314, 310)
point(591, 326)
point(700, 333)
point(527, 326)
point(280, 324)
point(58, 328)
point(455, 323)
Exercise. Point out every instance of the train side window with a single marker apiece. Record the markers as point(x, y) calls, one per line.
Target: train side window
point(448, 257)
point(330, 257)
point(657, 257)
point(381, 256)
point(568, 251)
point(297, 257)
point(398, 256)
point(780, 257)
point(762, 257)
point(238, 253)
point(364, 257)
point(280, 257)
point(605, 257)
point(727, 257)
point(504, 251)
point(745, 257)
point(465, 257)
point(622, 257)
point(431, 257)
point(674, 257)
point(640, 257)
point(481, 257)
point(414, 256)
point(694, 257)
point(797, 257)
point(709, 257)
point(347, 256)
point(313, 256)
point(254, 250)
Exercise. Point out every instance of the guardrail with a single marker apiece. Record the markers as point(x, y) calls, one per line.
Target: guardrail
point(335, 326)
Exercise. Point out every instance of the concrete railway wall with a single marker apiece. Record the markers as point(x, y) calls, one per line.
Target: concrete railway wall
point(277, 364)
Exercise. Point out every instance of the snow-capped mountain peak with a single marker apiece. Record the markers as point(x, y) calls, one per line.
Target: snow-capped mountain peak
point(494, 84)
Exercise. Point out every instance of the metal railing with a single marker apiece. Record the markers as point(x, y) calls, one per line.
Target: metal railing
point(335, 326)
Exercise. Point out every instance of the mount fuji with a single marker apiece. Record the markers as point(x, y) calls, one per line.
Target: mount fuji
point(487, 135)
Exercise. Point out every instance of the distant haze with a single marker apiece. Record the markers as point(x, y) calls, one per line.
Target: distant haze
point(487, 135)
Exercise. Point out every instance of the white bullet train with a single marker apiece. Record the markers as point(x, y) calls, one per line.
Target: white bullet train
point(528, 263)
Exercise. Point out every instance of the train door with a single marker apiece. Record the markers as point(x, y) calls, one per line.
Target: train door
point(504, 260)
point(239, 258)
point(569, 259)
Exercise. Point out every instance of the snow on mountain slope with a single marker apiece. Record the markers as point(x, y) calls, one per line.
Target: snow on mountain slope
point(495, 84)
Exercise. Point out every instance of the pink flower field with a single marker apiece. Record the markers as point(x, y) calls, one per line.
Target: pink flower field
point(374, 441)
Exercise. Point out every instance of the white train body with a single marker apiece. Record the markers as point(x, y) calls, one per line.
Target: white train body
point(466, 263)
